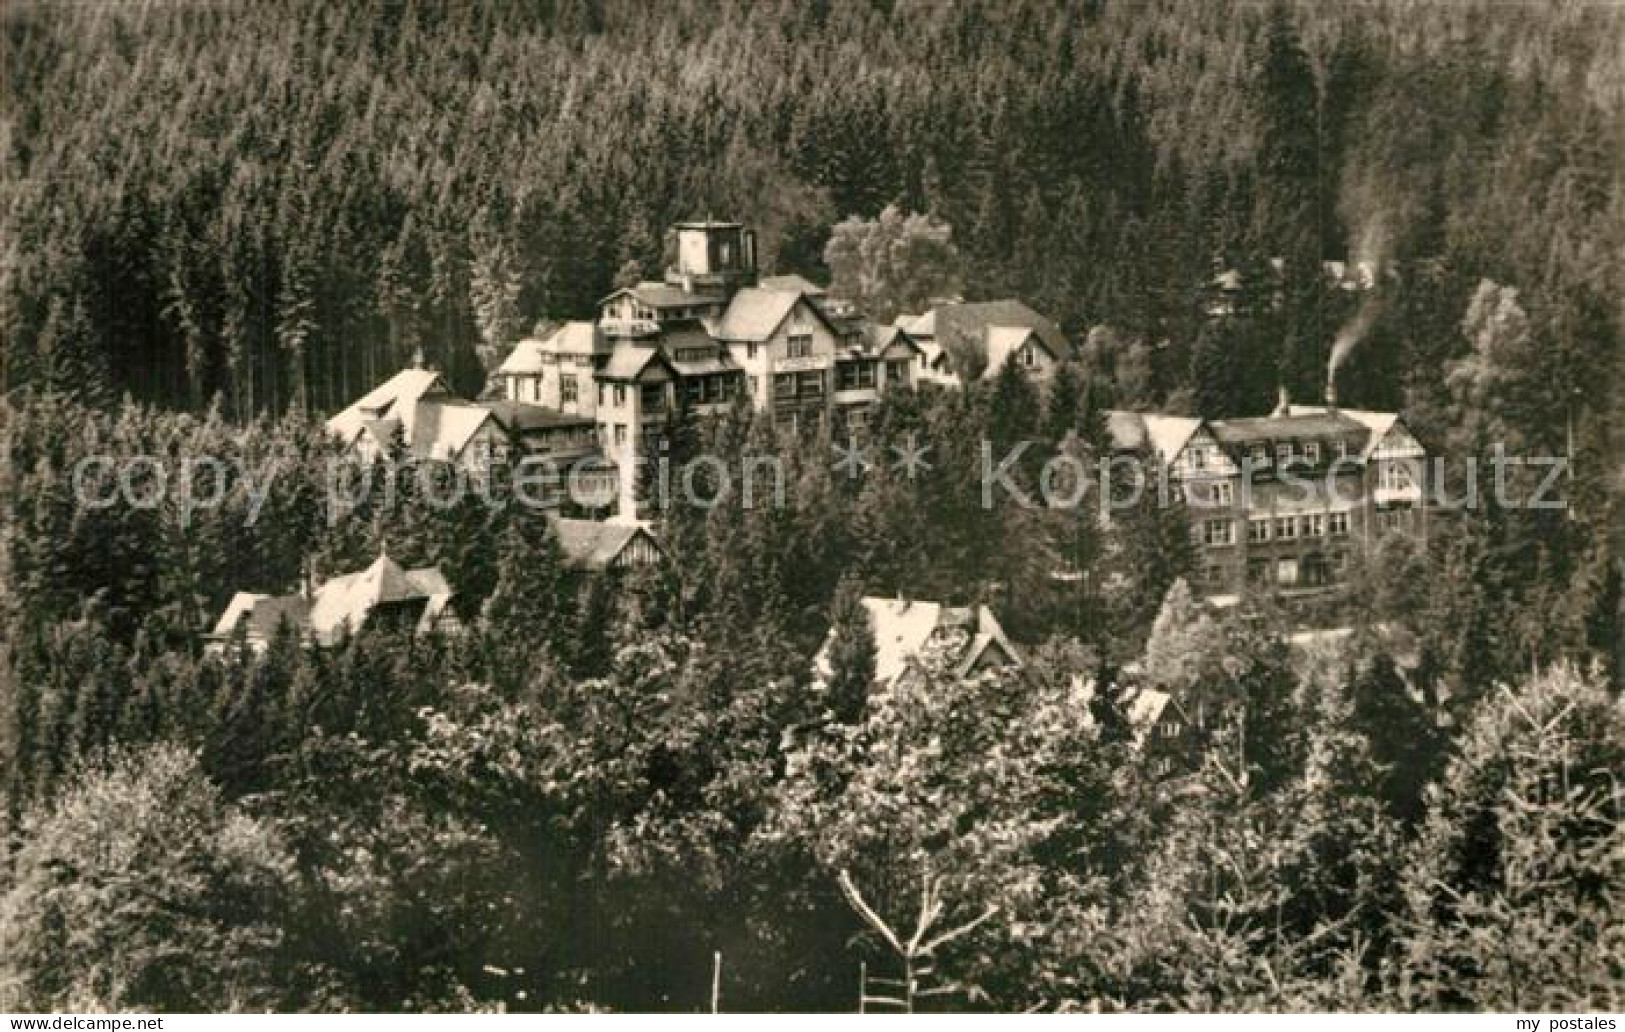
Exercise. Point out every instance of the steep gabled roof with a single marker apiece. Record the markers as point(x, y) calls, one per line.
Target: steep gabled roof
point(1004, 341)
point(756, 312)
point(340, 605)
point(1165, 435)
point(629, 362)
point(433, 422)
point(573, 338)
point(595, 545)
point(963, 326)
point(1380, 424)
point(1141, 707)
point(443, 431)
point(903, 629)
point(395, 398)
point(260, 615)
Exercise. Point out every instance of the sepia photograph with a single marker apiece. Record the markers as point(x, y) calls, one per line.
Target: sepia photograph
point(884, 507)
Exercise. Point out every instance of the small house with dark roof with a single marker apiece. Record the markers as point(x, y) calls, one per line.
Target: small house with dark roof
point(1158, 728)
point(593, 546)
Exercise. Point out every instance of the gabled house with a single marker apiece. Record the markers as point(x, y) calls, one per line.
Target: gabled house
point(1159, 729)
point(983, 335)
point(1021, 345)
point(904, 629)
point(415, 410)
point(592, 546)
point(555, 371)
point(384, 594)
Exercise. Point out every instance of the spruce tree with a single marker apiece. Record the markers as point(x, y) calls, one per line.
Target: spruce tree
point(851, 652)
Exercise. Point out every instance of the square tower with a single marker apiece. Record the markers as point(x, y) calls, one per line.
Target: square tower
point(714, 256)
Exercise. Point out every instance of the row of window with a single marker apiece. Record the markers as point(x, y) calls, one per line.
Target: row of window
point(1222, 531)
point(1288, 452)
point(708, 390)
point(861, 375)
point(798, 386)
point(1261, 455)
point(653, 396)
point(1288, 528)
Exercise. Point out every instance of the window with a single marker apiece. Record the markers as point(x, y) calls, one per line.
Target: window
point(1283, 453)
point(654, 398)
point(1394, 476)
point(568, 389)
point(1198, 458)
point(1311, 452)
point(1342, 448)
point(800, 346)
point(695, 354)
point(750, 352)
point(1027, 357)
point(1168, 729)
point(1258, 528)
point(1314, 525)
point(1286, 528)
point(1286, 572)
point(1213, 576)
point(1260, 456)
point(1339, 524)
point(1223, 493)
point(784, 385)
point(1218, 532)
point(1258, 571)
point(1393, 519)
point(851, 376)
point(620, 394)
point(620, 434)
point(603, 390)
point(812, 384)
point(897, 372)
point(694, 390)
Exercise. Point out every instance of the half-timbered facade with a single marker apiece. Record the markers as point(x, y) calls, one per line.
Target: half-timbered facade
point(1280, 503)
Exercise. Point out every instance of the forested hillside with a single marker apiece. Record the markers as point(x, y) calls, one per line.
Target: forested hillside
point(280, 202)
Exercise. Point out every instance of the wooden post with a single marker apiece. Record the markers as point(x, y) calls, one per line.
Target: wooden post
point(716, 980)
point(863, 985)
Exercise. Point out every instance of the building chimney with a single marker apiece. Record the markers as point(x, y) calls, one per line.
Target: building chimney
point(1283, 402)
point(1331, 389)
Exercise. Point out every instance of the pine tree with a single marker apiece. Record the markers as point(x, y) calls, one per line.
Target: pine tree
point(851, 653)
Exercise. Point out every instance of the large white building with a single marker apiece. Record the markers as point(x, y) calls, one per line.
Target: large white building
point(595, 395)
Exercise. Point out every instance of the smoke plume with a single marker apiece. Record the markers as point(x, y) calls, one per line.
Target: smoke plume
point(1365, 264)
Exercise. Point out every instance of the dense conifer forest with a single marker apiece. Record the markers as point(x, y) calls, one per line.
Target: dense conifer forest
point(222, 221)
